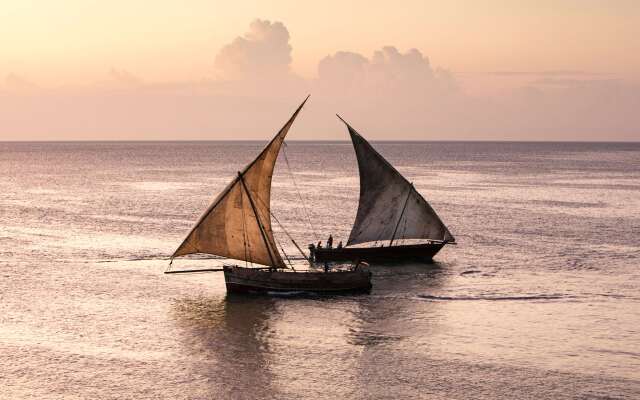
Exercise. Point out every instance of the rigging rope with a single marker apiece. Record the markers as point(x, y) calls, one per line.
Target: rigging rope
point(285, 255)
point(281, 247)
point(289, 236)
point(304, 206)
point(286, 232)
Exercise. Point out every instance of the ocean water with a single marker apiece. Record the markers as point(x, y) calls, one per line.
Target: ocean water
point(540, 298)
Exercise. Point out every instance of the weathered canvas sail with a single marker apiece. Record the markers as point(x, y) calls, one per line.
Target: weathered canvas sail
point(390, 208)
point(238, 223)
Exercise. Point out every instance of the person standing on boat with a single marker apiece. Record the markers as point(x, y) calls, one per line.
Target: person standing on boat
point(330, 241)
point(339, 245)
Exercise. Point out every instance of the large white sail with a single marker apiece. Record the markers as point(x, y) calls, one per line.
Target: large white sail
point(389, 208)
point(238, 223)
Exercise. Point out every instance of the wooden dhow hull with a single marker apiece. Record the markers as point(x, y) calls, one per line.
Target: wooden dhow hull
point(423, 252)
point(252, 280)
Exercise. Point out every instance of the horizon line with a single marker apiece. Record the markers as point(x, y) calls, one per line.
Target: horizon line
point(313, 140)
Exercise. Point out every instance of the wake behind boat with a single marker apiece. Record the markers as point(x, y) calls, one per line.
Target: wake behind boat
point(237, 225)
point(394, 222)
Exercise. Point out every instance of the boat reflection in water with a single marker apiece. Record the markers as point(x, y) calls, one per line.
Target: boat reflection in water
point(226, 344)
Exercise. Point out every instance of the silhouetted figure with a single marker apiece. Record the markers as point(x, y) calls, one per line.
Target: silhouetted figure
point(340, 245)
point(326, 266)
point(330, 242)
point(312, 252)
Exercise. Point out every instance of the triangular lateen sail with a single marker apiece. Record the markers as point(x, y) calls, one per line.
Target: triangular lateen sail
point(389, 207)
point(229, 227)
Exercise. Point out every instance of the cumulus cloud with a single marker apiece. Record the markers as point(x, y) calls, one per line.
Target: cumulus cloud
point(344, 69)
point(390, 91)
point(263, 50)
point(388, 70)
point(390, 66)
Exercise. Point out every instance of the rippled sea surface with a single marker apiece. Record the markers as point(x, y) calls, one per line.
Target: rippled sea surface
point(540, 298)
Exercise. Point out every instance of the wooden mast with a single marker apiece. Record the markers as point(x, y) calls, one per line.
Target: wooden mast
point(255, 212)
point(401, 214)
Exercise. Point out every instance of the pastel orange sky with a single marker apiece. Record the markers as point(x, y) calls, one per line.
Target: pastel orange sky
point(485, 69)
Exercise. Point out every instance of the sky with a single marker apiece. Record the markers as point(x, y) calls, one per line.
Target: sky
point(413, 70)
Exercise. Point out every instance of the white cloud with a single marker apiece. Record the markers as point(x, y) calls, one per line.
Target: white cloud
point(392, 91)
point(263, 51)
point(343, 69)
point(387, 71)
